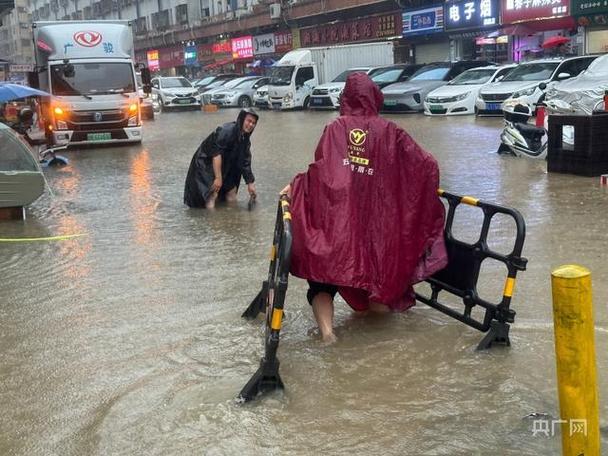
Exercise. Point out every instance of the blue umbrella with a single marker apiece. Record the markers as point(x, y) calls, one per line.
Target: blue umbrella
point(10, 92)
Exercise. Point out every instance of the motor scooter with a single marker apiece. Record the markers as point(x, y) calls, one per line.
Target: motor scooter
point(519, 137)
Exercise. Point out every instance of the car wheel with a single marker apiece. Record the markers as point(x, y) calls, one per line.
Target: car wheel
point(476, 111)
point(306, 103)
point(244, 102)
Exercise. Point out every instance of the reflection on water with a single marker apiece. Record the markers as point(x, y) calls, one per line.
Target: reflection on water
point(129, 340)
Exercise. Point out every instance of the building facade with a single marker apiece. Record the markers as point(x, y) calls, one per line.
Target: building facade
point(15, 35)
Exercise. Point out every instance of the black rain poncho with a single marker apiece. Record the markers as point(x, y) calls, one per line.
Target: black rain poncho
point(235, 148)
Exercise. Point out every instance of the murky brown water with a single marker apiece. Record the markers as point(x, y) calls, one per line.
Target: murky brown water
point(129, 340)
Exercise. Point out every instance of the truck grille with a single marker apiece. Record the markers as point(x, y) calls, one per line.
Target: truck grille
point(97, 120)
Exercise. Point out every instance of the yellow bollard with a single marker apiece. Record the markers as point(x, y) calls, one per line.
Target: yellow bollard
point(575, 357)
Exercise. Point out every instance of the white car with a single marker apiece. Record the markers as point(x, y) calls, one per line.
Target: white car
point(175, 92)
point(223, 86)
point(458, 96)
point(520, 86)
point(260, 97)
point(327, 96)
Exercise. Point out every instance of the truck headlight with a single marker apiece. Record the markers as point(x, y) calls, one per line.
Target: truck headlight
point(335, 90)
point(288, 96)
point(132, 121)
point(61, 125)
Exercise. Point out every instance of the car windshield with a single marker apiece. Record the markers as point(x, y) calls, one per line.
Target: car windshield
point(473, 77)
point(205, 81)
point(342, 76)
point(531, 72)
point(92, 79)
point(235, 83)
point(430, 73)
point(387, 75)
point(171, 83)
point(599, 67)
point(281, 75)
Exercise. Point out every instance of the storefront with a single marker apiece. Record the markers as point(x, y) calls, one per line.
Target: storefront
point(222, 57)
point(472, 26)
point(592, 16)
point(171, 62)
point(530, 24)
point(382, 27)
point(423, 31)
point(242, 52)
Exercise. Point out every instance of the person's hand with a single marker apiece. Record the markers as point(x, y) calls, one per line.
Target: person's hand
point(217, 184)
point(286, 191)
point(251, 190)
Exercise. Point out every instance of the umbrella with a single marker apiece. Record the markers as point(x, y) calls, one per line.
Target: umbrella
point(10, 92)
point(555, 41)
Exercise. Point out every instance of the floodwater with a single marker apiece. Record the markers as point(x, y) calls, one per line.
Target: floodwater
point(128, 340)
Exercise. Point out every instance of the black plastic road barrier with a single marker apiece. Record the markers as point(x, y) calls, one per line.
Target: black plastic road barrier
point(459, 278)
point(461, 274)
point(270, 300)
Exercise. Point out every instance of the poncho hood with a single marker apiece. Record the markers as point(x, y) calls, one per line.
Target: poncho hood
point(361, 97)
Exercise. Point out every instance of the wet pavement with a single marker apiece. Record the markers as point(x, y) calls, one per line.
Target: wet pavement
point(128, 340)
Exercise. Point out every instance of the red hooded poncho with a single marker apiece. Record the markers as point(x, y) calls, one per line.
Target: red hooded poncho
point(366, 215)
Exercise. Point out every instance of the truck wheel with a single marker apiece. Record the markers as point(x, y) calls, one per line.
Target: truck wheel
point(244, 102)
point(306, 103)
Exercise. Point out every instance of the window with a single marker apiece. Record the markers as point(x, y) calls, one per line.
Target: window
point(303, 75)
point(573, 67)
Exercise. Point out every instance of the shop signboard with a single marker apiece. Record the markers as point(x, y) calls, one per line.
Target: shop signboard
point(205, 52)
point(283, 42)
point(242, 47)
point(190, 55)
point(423, 21)
point(222, 47)
point(468, 14)
point(21, 67)
point(263, 44)
point(514, 11)
point(153, 60)
point(584, 7)
point(358, 30)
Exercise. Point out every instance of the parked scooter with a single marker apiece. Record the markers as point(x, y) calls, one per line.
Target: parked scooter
point(519, 137)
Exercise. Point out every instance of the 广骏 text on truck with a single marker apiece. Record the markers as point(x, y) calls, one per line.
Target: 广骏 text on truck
point(88, 68)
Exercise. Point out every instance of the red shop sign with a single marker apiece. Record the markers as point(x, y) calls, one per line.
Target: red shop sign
point(283, 42)
point(366, 29)
point(242, 47)
point(223, 47)
point(528, 10)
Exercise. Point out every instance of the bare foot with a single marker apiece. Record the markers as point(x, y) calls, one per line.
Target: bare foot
point(329, 339)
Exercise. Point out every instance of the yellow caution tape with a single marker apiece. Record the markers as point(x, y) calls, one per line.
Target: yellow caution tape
point(49, 238)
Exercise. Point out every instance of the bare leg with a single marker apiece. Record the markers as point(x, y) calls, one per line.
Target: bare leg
point(231, 195)
point(323, 309)
point(210, 203)
point(378, 307)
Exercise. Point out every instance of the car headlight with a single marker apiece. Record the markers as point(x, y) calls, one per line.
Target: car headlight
point(524, 93)
point(335, 90)
point(462, 96)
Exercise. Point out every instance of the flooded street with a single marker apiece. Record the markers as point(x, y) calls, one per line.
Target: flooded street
point(128, 339)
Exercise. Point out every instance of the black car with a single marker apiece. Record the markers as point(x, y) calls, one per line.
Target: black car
point(387, 75)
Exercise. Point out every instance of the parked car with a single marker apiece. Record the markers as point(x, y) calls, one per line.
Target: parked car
point(260, 97)
point(392, 74)
point(409, 96)
point(222, 85)
point(239, 95)
point(175, 92)
point(327, 96)
point(522, 83)
point(203, 83)
point(458, 96)
point(581, 94)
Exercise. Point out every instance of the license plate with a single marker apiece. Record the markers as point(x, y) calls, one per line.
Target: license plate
point(436, 107)
point(317, 101)
point(276, 105)
point(183, 101)
point(99, 136)
point(493, 106)
point(390, 102)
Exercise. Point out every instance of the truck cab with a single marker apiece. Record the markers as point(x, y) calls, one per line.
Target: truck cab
point(292, 80)
point(88, 68)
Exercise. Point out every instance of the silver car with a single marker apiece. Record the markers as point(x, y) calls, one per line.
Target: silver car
point(240, 94)
point(221, 85)
point(175, 92)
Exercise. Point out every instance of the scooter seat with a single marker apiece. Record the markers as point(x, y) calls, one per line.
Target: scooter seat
point(526, 129)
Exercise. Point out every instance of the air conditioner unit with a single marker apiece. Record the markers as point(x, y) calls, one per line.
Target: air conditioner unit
point(275, 11)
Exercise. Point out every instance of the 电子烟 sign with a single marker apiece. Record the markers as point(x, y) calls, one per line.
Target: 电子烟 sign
point(463, 14)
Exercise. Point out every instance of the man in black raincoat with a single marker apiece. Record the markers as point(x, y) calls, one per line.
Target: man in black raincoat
point(219, 163)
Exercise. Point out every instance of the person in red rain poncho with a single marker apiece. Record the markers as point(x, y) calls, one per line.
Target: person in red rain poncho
point(366, 218)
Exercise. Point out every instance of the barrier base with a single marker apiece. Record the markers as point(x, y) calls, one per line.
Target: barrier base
point(497, 334)
point(258, 304)
point(265, 380)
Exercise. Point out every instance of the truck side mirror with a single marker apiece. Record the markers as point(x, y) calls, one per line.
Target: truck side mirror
point(68, 70)
point(32, 80)
point(542, 86)
point(146, 80)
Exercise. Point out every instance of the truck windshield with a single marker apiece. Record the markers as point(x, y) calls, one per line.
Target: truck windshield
point(93, 79)
point(281, 75)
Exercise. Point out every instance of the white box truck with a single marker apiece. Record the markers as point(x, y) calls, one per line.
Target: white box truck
point(88, 68)
point(298, 72)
